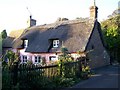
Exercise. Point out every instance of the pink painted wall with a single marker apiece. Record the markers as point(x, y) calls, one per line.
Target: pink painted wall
point(31, 56)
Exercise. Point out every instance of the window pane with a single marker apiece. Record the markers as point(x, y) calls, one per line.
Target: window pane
point(39, 60)
point(25, 43)
point(39, 57)
point(55, 43)
point(52, 58)
point(35, 60)
point(35, 57)
point(25, 57)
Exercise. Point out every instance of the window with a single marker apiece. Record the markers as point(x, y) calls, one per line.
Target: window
point(53, 58)
point(92, 46)
point(37, 59)
point(24, 59)
point(55, 43)
point(25, 43)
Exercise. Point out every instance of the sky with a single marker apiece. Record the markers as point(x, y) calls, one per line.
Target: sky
point(14, 13)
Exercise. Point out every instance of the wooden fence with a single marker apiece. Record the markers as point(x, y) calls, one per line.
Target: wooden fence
point(24, 74)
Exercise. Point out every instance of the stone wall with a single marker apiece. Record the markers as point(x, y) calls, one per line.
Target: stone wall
point(98, 55)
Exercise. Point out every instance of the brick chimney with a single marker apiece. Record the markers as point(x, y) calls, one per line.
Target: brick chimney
point(31, 22)
point(93, 12)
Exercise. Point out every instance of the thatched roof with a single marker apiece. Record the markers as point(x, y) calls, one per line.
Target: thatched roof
point(8, 42)
point(73, 34)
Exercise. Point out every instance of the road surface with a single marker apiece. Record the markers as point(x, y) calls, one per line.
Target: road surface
point(105, 77)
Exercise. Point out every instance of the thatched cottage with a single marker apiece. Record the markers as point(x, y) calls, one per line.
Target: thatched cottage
point(45, 41)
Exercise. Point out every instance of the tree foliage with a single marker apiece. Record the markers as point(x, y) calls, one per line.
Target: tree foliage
point(4, 34)
point(111, 32)
point(65, 56)
point(9, 58)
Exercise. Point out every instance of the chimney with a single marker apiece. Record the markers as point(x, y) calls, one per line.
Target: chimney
point(93, 12)
point(31, 22)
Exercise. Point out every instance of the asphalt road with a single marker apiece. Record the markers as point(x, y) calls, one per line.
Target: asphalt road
point(105, 77)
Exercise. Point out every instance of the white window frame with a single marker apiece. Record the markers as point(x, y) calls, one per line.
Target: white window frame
point(55, 43)
point(24, 59)
point(37, 59)
point(25, 43)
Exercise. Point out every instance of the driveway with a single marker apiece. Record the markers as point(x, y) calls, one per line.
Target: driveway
point(105, 77)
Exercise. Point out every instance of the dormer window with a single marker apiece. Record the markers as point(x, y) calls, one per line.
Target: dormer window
point(25, 43)
point(55, 43)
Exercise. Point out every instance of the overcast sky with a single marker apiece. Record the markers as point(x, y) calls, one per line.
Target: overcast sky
point(14, 14)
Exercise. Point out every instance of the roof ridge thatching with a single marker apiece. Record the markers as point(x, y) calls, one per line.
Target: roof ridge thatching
point(58, 23)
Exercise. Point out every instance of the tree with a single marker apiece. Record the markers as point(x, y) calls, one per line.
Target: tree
point(65, 56)
point(111, 32)
point(10, 57)
point(4, 34)
point(115, 13)
point(62, 59)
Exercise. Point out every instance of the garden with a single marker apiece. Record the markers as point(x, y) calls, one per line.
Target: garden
point(63, 74)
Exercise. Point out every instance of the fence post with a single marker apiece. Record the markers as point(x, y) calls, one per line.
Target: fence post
point(80, 66)
point(60, 67)
point(78, 74)
point(15, 73)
